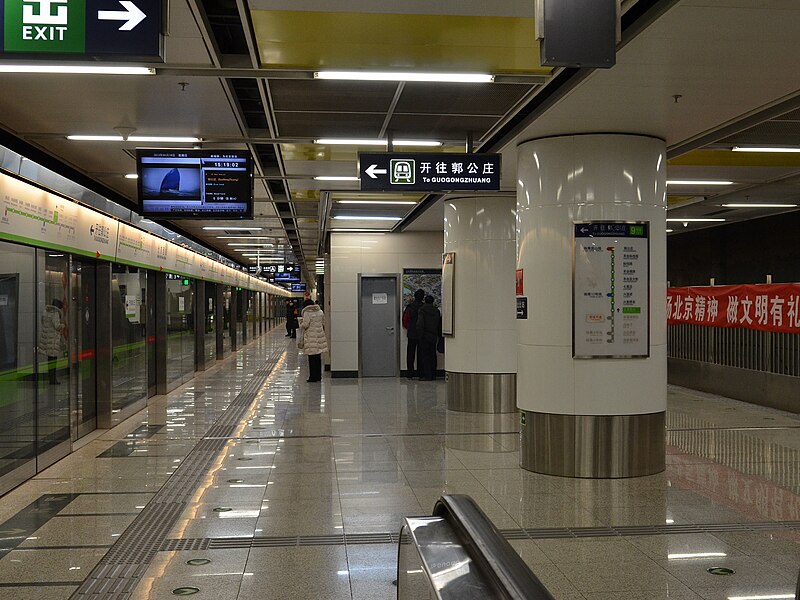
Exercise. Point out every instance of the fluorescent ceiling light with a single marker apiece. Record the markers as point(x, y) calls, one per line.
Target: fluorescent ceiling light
point(692, 220)
point(247, 237)
point(404, 202)
point(135, 138)
point(754, 205)
point(78, 69)
point(690, 555)
point(131, 176)
point(408, 76)
point(232, 228)
point(365, 218)
point(764, 597)
point(669, 231)
point(696, 182)
point(766, 149)
point(336, 178)
point(351, 230)
point(373, 142)
point(260, 245)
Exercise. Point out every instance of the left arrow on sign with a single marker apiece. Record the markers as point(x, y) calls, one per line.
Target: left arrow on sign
point(132, 15)
point(373, 171)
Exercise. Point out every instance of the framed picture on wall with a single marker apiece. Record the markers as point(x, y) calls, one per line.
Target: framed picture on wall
point(448, 275)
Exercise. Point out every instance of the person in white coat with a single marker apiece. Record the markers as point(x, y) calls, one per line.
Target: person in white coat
point(51, 337)
point(314, 340)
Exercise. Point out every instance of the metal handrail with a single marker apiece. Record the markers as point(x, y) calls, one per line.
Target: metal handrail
point(463, 556)
point(491, 550)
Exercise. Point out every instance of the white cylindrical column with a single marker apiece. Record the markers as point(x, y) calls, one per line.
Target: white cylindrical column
point(481, 356)
point(588, 417)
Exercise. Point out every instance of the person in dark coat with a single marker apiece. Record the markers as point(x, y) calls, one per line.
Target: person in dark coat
point(288, 318)
point(410, 325)
point(429, 328)
point(292, 323)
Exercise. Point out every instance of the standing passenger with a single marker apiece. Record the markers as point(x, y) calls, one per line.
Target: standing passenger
point(429, 329)
point(292, 314)
point(288, 304)
point(410, 325)
point(314, 340)
point(51, 337)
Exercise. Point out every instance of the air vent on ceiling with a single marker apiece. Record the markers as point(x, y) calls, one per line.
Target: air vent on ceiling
point(237, 232)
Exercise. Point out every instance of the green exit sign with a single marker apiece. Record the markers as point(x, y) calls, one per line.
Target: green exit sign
point(81, 29)
point(637, 230)
point(44, 26)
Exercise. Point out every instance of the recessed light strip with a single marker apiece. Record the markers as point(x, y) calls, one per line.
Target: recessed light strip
point(791, 149)
point(691, 555)
point(77, 69)
point(366, 218)
point(386, 202)
point(407, 76)
point(697, 182)
point(754, 205)
point(336, 178)
point(374, 142)
point(363, 230)
point(232, 228)
point(693, 220)
point(135, 138)
point(764, 597)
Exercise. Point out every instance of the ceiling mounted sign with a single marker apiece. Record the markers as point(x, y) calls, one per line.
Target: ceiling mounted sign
point(81, 29)
point(428, 172)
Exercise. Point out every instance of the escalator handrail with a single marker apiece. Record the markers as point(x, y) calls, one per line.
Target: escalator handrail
point(490, 550)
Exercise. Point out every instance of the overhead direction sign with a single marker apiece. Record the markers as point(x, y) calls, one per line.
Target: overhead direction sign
point(81, 29)
point(428, 171)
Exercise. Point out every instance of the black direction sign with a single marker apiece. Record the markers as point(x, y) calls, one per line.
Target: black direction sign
point(428, 172)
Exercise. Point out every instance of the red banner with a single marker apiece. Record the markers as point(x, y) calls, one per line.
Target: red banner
point(765, 307)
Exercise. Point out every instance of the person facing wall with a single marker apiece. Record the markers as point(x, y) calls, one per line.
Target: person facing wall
point(429, 329)
point(314, 340)
point(410, 325)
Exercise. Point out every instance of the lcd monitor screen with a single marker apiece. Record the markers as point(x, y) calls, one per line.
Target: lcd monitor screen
point(298, 287)
point(186, 184)
point(287, 277)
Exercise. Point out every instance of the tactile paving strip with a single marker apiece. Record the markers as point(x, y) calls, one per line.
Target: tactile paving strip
point(117, 574)
point(510, 534)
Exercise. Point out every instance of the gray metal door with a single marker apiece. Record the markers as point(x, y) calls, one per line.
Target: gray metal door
point(378, 326)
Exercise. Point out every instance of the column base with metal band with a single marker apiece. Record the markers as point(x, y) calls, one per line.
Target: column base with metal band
point(481, 392)
point(598, 446)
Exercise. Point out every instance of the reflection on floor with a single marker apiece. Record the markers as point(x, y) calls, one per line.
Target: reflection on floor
point(305, 497)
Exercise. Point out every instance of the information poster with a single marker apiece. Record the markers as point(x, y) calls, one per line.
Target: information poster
point(427, 280)
point(611, 294)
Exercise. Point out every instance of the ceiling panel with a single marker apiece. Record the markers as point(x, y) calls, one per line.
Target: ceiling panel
point(322, 95)
point(87, 104)
point(769, 133)
point(456, 98)
point(432, 127)
point(322, 39)
point(312, 125)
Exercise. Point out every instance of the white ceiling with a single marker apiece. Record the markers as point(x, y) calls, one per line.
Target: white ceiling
point(727, 59)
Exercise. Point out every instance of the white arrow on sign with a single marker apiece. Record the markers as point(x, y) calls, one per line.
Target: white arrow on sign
point(132, 15)
point(373, 169)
